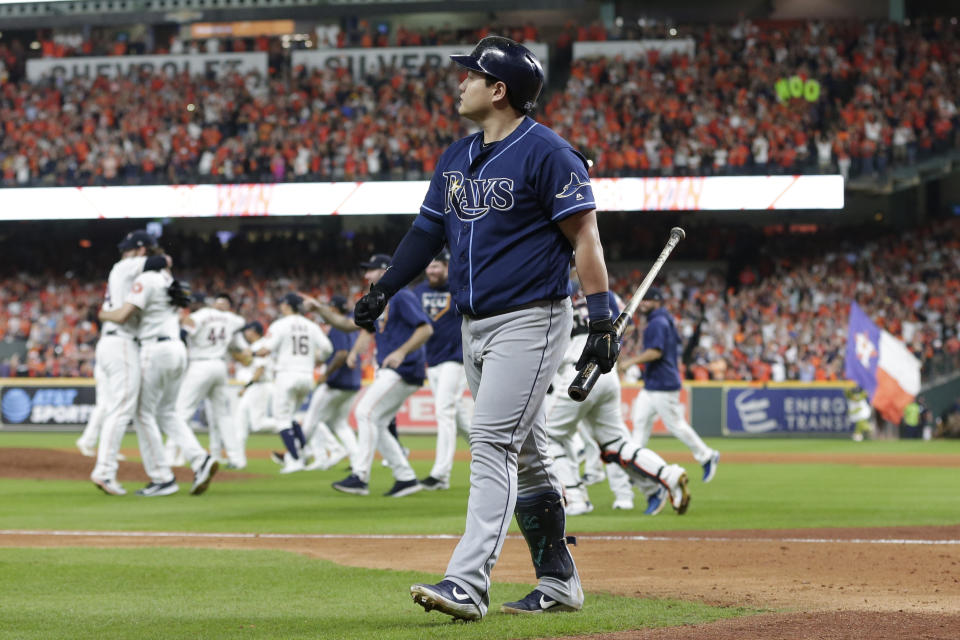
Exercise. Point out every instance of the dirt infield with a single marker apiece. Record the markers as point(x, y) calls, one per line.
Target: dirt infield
point(901, 582)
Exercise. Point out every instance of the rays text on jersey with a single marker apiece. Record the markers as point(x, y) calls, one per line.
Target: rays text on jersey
point(472, 198)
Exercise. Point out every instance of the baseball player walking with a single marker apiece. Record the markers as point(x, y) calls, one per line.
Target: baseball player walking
point(399, 337)
point(444, 369)
point(660, 395)
point(211, 333)
point(511, 201)
point(296, 344)
point(117, 367)
point(600, 414)
point(163, 360)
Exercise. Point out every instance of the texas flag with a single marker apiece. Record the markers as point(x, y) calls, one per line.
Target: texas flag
point(882, 365)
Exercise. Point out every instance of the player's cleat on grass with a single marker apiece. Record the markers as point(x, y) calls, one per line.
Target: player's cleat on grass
point(433, 484)
point(446, 597)
point(90, 452)
point(403, 488)
point(277, 456)
point(578, 508)
point(292, 465)
point(352, 484)
point(710, 467)
point(656, 502)
point(679, 495)
point(155, 489)
point(236, 467)
point(536, 602)
point(203, 475)
point(626, 504)
point(109, 486)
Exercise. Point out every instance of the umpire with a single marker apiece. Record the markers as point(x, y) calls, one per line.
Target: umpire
point(511, 202)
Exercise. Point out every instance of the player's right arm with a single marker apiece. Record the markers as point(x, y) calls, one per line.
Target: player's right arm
point(135, 301)
point(422, 242)
point(269, 342)
point(360, 346)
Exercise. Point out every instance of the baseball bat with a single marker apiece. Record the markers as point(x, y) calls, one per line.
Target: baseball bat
point(587, 377)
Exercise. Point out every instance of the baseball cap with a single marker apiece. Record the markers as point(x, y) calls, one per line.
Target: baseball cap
point(339, 303)
point(256, 326)
point(377, 261)
point(443, 256)
point(653, 293)
point(293, 300)
point(137, 239)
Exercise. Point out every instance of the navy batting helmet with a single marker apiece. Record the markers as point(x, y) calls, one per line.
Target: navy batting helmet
point(511, 63)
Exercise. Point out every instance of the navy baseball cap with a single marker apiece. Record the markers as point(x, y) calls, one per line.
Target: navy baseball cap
point(377, 261)
point(443, 256)
point(339, 303)
point(293, 300)
point(199, 297)
point(256, 326)
point(653, 293)
point(137, 239)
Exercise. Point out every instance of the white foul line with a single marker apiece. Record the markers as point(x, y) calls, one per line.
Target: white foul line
point(443, 536)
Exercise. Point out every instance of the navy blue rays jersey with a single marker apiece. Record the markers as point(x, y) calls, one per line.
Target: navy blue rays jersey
point(499, 207)
point(399, 320)
point(445, 343)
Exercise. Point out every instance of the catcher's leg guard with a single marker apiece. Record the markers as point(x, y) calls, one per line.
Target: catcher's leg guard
point(542, 522)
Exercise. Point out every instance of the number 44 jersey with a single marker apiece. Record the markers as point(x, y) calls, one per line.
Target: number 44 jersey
point(214, 333)
point(296, 344)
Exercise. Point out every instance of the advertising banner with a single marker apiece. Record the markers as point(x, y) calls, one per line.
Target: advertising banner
point(634, 48)
point(46, 407)
point(217, 64)
point(792, 410)
point(361, 61)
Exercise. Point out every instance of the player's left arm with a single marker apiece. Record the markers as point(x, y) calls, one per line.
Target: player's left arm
point(135, 301)
point(120, 315)
point(360, 346)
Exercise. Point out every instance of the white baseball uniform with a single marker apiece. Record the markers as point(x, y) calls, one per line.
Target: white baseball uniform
point(214, 333)
point(253, 406)
point(295, 344)
point(163, 360)
point(117, 369)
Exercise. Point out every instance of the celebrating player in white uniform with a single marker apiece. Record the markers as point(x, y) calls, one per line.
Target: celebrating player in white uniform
point(600, 413)
point(296, 344)
point(661, 384)
point(211, 333)
point(118, 363)
point(448, 381)
point(163, 360)
point(254, 396)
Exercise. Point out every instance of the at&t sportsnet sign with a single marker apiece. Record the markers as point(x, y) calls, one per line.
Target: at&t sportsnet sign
point(810, 410)
point(38, 407)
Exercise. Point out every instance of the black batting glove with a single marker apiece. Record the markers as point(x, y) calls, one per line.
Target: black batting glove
point(369, 308)
point(602, 346)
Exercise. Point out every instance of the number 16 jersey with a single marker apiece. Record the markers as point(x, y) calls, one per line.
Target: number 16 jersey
point(296, 344)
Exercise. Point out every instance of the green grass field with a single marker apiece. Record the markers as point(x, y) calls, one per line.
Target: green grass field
point(197, 593)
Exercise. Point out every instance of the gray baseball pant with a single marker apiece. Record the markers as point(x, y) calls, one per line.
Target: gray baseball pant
point(510, 360)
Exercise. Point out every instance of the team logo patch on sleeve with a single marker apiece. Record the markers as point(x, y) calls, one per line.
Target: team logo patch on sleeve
point(573, 187)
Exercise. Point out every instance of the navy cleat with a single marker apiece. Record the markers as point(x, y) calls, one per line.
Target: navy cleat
point(352, 484)
point(710, 467)
point(446, 597)
point(403, 488)
point(536, 602)
point(155, 489)
point(656, 502)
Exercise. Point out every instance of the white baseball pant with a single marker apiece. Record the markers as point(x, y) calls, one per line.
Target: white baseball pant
point(162, 365)
point(118, 359)
point(617, 478)
point(453, 410)
point(91, 431)
point(667, 405)
point(207, 379)
point(290, 389)
point(600, 414)
point(330, 410)
point(252, 408)
point(378, 404)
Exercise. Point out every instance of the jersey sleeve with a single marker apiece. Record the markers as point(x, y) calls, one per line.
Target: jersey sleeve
point(272, 339)
point(324, 346)
point(237, 342)
point(655, 336)
point(409, 308)
point(433, 209)
point(564, 185)
point(138, 292)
